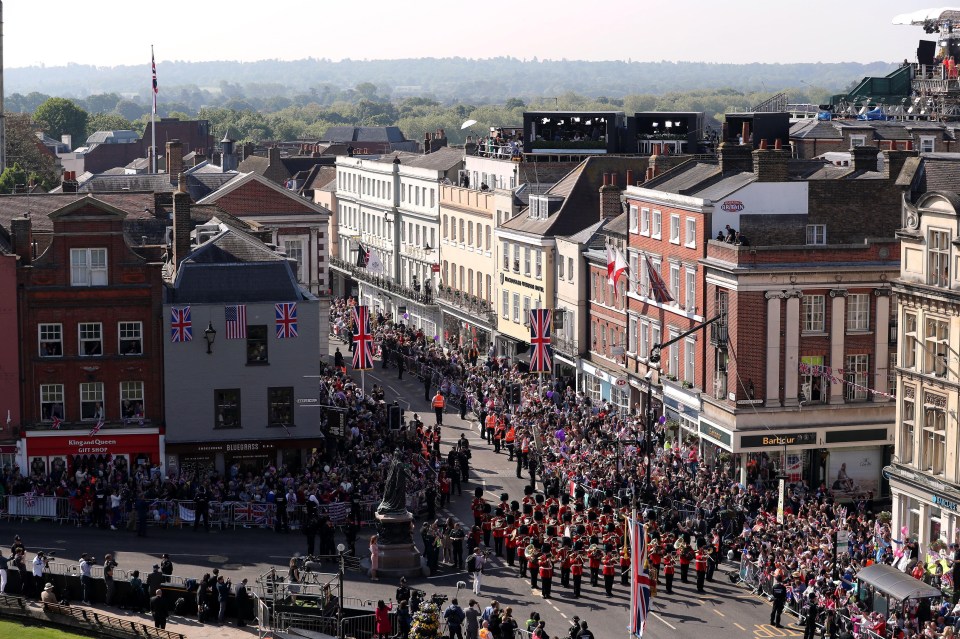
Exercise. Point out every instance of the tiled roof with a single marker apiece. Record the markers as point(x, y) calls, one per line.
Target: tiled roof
point(363, 134)
point(939, 172)
point(199, 185)
point(137, 206)
point(683, 177)
point(443, 159)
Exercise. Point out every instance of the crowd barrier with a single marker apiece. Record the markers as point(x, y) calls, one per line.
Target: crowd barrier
point(177, 513)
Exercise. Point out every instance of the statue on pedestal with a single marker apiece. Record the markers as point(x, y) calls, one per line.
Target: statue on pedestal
point(394, 500)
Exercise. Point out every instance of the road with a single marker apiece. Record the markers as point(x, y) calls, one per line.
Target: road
point(725, 610)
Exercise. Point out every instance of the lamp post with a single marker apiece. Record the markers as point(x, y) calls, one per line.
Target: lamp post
point(210, 334)
point(340, 550)
point(648, 430)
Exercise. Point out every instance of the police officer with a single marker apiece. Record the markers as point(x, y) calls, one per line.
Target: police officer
point(779, 592)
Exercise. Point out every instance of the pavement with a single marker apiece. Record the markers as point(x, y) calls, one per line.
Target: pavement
point(725, 610)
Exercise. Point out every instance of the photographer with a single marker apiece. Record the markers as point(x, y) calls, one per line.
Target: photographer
point(108, 565)
point(40, 563)
point(86, 579)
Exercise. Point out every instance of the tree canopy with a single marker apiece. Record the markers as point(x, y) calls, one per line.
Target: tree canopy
point(57, 116)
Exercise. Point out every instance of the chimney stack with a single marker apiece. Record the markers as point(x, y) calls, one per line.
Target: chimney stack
point(864, 158)
point(735, 158)
point(610, 206)
point(174, 160)
point(228, 159)
point(629, 177)
point(745, 134)
point(769, 166)
point(893, 160)
point(181, 224)
point(273, 156)
point(21, 231)
point(69, 182)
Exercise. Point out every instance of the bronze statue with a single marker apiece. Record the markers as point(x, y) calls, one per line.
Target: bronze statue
point(395, 490)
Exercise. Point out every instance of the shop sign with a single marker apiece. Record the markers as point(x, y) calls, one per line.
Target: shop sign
point(235, 447)
point(944, 502)
point(74, 445)
point(792, 439)
point(510, 280)
point(713, 432)
point(732, 206)
point(682, 408)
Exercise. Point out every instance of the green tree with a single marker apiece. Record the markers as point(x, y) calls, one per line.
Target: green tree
point(102, 102)
point(24, 148)
point(57, 116)
point(11, 177)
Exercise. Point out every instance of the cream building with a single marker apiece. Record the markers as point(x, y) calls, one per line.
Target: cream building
point(925, 471)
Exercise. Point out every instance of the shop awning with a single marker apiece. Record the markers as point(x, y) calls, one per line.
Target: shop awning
point(896, 584)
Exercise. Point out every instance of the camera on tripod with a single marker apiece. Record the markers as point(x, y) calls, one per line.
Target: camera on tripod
point(437, 599)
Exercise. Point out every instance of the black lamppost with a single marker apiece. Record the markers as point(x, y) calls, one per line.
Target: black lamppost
point(340, 551)
point(210, 334)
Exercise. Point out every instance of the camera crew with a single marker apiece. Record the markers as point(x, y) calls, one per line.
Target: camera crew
point(40, 563)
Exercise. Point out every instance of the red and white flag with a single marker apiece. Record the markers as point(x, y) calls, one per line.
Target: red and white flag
point(96, 427)
point(617, 268)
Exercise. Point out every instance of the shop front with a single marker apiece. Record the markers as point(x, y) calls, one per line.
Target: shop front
point(601, 385)
point(924, 508)
point(247, 455)
point(57, 452)
point(681, 407)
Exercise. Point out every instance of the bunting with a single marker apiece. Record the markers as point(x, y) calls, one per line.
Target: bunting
point(835, 375)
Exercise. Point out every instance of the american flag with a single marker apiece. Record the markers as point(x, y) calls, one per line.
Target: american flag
point(181, 327)
point(56, 422)
point(641, 582)
point(362, 339)
point(236, 319)
point(541, 359)
point(153, 65)
point(657, 286)
point(96, 427)
point(286, 320)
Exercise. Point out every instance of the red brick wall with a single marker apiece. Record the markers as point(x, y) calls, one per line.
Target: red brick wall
point(254, 198)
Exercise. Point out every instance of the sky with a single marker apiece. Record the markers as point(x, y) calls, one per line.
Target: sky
point(114, 32)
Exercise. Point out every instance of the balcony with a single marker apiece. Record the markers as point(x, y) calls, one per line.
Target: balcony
point(718, 334)
point(384, 283)
point(566, 346)
point(465, 302)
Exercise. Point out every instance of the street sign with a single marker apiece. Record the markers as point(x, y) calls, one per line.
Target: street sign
point(307, 400)
point(434, 268)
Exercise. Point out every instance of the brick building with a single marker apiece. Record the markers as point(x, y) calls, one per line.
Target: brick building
point(91, 351)
point(799, 360)
point(9, 355)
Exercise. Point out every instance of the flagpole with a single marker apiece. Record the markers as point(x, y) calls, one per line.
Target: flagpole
point(631, 526)
point(363, 383)
point(153, 116)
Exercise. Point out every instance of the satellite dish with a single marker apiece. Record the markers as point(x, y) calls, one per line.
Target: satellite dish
point(467, 124)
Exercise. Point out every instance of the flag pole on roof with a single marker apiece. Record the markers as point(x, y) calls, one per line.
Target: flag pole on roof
point(153, 116)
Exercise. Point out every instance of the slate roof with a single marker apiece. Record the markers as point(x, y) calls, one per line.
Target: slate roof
point(882, 129)
point(581, 192)
point(199, 184)
point(583, 236)
point(363, 134)
point(234, 267)
point(443, 159)
point(122, 136)
point(617, 225)
point(683, 177)
point(137, 206)
point(321, 177)
point(938, 172)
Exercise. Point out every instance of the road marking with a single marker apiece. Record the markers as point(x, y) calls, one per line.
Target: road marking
point(554, 607)
point(739, 626)
point(665, 622)
point(718, 612)
point(564, 616)
point(767, 631)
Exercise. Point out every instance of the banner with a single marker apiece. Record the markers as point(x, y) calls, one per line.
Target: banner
point(32, 506)
point(780, 499)
point(186, 514)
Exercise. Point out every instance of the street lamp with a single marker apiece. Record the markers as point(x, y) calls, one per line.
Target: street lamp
point(341, 549)
point(210, 334)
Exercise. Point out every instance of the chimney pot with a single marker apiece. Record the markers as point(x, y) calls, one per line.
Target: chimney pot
point(21, 231)
point(745, 133)
point(909, 146)
point(606, 179)
point(778, 145)
point(174, 159)
point(763, 144)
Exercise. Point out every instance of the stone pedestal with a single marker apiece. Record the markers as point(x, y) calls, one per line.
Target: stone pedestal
point(398, 554)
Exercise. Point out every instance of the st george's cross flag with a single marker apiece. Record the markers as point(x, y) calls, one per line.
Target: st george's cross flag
point(362, 339)
point(286, 319)
point(640, 582)
point(541, 358)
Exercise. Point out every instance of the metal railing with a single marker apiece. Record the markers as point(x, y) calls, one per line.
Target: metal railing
point(384, 283)
point(465, 301)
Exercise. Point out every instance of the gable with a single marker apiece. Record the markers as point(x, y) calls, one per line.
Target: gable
point(256, 198)
point(87, 207)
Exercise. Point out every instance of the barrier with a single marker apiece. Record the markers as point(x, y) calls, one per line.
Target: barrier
point(29, 506)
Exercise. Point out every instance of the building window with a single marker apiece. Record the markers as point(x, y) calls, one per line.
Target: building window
point(632, 335)
point(675, 229)
point(857, 140)
point(516, 258)
point(91, 339)
point(634, 214)
point(933, 446)
point(644, 221)
point(644, 339)
point(673, 356)
point(445, 220)
point(294, 251)
point(226, 408)
point(938, 251)
point(813, 313)
point(131, 400)
point(928, 144)
point(462, 233)
point(280, 406)
point(675, 282)
point(812, 380)
point(858, 312)
point(908, 432)
point(516, 308)
point(538, 264)
point(560, 264)
point(655, 335)
point(937, 339)
point(51, 402)
point(690, 292)
point(570, 268)
point(526, 261)
point(910, 343)
point(690, 241)
point(257, 344)
point(506, 256)
point(506, 305)
point(689, 361)
point(91, 401)
point(816, 233)
point(453, 229)
point(51, 340)
point(130, 335)
point(88, 267)
point(656, 225)
point(469, 233)
point(526, 311)
point(857, 372)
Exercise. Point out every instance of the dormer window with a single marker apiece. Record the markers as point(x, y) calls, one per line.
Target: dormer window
point(938, 258)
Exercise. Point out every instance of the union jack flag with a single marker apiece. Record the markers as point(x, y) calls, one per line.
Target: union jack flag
point(658, 288)
point(96, 427)
point(286, 320)
point(541, 359)
point(362, 339)
point(56, 422)
point(153, 66)
point(181, 326)
point(641, 582)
